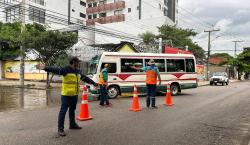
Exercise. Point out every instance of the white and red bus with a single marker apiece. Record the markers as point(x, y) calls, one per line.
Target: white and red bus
point(180, 69)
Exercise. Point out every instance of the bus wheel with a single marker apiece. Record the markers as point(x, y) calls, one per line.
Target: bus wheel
point(174, 88)
point(113, 92)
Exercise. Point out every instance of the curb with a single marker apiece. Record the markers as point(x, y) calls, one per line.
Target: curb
point(207, 84)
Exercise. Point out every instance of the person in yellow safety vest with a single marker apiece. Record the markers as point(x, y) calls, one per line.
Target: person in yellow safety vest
point(152, 72)
point(103, 83)
point(71, 77)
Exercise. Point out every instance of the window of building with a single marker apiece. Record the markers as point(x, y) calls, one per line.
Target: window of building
point(95, 4)
point(190, 65)
point(160, 63)
point(102, 2)
point(102, 15)
point(175, 65)
point(117, 12)
point(126, 64)
point(165, 11)
point(129, 10)
point(12, 14)
point(40, 2)
point(82, 15)
point(36, 14)
point(89, 5)
point(112, 67)
point(89, 16)
point(79, 21)
point(160, 6)
point(9, 1)
point(94, 16)
point(83, 3)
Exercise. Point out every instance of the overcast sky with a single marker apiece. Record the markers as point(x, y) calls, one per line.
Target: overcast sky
point(232, 17)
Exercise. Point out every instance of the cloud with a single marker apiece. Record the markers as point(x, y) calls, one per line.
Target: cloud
point(224, 24)
point(230, 16)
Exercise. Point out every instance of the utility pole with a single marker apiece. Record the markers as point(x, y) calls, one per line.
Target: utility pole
point(69, 8)
point(22, 17)
point(139, 9)
point(209, 47)
point(160, 45)
point(235, 46)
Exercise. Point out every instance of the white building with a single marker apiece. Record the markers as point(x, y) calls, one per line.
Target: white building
point(55, 14)
point(130, 16)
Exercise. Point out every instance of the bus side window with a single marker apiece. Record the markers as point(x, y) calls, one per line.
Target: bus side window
point(160, 63)
point(175, 65)
point(126, 64)
point(112, 67)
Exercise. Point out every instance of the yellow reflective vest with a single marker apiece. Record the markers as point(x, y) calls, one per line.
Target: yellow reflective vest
point(70, 84)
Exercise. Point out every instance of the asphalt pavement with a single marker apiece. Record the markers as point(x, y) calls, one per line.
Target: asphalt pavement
point(209, 115)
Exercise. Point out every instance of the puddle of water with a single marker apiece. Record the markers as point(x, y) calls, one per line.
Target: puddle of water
point(19, 98)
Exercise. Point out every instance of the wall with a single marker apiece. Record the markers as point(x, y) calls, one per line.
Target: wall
point(12, 68)
point(126, 48)
point(200, 72)
point(1, 69)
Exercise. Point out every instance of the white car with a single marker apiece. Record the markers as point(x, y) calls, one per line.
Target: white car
point(219, 77)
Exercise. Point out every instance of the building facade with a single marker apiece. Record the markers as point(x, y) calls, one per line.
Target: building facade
point(133, 17)
point(56, 14)
point(102, 17)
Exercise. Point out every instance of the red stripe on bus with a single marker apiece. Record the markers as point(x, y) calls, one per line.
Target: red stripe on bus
point(161, 80)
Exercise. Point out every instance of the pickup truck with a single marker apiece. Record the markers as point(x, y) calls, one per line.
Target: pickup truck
point(219, 77)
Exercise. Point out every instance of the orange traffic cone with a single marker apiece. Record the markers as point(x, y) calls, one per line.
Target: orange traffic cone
point(135, 104)
point(168, 101)
point(84, 110)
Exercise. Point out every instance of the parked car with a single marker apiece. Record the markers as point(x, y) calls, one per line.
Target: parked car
point(219, 77)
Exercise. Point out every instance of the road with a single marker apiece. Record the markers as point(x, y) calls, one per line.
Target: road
point(208, 115)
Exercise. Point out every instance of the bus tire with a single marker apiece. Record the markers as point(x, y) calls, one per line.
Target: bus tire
point(174, 88)
point(113, 92)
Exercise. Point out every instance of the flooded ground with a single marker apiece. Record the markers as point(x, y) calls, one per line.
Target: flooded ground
point(19, 98)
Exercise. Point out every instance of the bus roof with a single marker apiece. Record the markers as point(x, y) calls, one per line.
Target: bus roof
point(146, 54)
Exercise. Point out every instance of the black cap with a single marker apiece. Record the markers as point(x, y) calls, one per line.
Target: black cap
point(73, 59)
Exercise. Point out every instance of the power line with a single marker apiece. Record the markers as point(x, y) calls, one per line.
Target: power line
point(122, 33)
point(92, 29)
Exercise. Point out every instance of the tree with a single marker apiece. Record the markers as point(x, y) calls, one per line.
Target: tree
point(243, 62)
point(47, 44)
point(10, 40)
point(50, 44)
point(149, 42)
point(175, 37)
point(181, 38)
point(61, 61)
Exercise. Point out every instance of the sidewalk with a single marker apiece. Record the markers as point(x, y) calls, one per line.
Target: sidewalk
point(28, 84)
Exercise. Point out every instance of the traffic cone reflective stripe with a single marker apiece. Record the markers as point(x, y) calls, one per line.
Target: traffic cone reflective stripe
point(135, 104)
point(84, 101)
point(84, 109)
point(168, 100)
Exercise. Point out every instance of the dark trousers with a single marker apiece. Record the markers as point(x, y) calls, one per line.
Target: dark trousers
point(151, 94)
point(67, 102)
point(104, 95)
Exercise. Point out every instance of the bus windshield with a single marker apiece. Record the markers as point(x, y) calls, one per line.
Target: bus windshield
point(93, 64)
point(92, 69)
